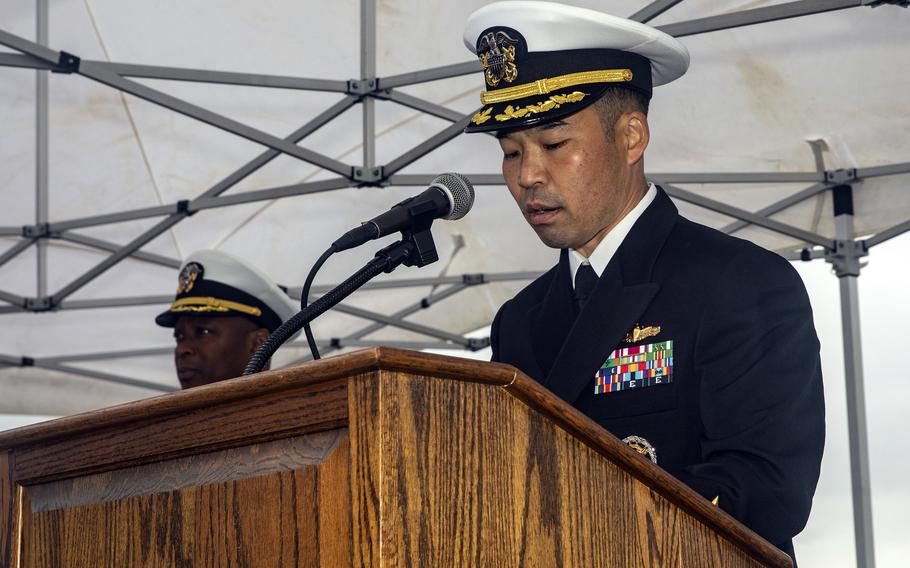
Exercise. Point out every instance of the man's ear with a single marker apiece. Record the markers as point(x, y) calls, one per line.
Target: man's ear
point(257, 338)
point(635, 133)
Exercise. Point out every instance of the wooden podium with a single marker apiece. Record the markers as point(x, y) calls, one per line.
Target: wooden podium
point(377, 458)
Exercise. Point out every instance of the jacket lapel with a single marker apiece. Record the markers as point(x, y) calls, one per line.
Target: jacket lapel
point(621, 296)
point(610, 313)
point(552, 319)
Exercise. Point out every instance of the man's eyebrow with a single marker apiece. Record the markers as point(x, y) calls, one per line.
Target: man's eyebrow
point(548, 126)
point(551, 125)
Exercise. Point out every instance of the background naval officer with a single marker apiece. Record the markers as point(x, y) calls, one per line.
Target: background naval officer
point(223, 311)
point(696, 348)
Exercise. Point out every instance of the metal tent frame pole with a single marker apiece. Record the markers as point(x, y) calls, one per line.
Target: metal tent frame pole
point(368, 74)
point(41, 148)
point(759, 16)
point(846, 261)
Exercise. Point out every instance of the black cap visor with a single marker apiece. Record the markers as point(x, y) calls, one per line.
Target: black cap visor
point(208, 298)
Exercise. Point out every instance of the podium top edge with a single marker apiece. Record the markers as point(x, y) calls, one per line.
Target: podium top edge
point(310, 373)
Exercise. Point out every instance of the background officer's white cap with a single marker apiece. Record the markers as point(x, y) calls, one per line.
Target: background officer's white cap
point(544, 60)
point(212, 283)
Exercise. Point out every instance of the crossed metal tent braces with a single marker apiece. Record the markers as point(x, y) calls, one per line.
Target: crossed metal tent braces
point(844, 252)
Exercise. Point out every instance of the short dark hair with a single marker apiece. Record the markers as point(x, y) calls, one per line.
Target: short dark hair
point(615, 101)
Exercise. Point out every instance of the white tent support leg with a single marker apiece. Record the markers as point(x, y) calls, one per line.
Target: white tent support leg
point(368, 73)
point(846, 261)
point(41, 147)
point(856, 423)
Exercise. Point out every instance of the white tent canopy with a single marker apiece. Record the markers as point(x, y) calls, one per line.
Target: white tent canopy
point(178, 126)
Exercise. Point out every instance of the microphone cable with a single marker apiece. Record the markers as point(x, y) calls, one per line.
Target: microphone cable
point(385, 260)
point(305, 299)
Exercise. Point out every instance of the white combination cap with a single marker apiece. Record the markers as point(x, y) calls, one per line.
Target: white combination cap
point(212, 283)
point(544, 60)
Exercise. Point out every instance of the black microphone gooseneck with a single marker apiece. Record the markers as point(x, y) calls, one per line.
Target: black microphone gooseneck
point(450, 196)
point(408, 251)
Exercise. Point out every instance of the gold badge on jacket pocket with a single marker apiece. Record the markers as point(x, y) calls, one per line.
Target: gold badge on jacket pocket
point(636, 366)
point(640, 333)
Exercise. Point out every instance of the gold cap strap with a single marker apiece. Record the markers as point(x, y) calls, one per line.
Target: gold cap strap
point(544, 86)
point(210, 304)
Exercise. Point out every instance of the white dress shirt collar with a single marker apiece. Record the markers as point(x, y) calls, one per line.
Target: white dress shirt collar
point(605, 250)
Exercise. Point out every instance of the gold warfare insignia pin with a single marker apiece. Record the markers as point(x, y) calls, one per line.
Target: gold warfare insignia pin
point(641, 446)
point(639, 333)
point(496, 51)
point(188, 276)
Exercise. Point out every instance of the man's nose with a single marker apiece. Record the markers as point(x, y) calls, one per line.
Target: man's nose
point(532, 172)
point(183, 349)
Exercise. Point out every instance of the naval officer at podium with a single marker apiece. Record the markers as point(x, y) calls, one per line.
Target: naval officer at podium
point(696, 348)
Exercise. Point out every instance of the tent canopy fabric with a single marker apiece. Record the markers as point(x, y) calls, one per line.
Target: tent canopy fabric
point(780, 101)
point(819, 93)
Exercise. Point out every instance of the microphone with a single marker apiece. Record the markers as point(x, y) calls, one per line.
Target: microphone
point(450, 196)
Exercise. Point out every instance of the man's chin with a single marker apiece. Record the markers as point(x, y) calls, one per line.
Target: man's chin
point(198, 380)
point(550, 238)
point(191, 384)
point(190, 379)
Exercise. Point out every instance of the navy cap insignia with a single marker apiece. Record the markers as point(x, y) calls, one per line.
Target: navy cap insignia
point(641, 446)
point(496, 51)
point(641, 333)
point(188, 276)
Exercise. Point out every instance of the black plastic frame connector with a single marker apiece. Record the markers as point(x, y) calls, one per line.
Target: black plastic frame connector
point(183, 206)
point(67, 63)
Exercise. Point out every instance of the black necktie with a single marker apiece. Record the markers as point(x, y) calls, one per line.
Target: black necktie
point(585, 280)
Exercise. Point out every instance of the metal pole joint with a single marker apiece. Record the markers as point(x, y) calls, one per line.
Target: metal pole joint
point(845, 257)
point(369, 177)
point(808, 254)
point(841, 176)
point(473, 279)
point(877, 3)
point(42, 304)
point(183, 206)
point(362, 87)
point(67, 63)
point(36, 231)
point(381, 93)
point(478, 343)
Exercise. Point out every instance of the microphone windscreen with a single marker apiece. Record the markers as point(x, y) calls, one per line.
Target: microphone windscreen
point(460, 192)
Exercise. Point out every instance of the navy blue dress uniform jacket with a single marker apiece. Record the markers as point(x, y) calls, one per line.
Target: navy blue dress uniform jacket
point(743, 417)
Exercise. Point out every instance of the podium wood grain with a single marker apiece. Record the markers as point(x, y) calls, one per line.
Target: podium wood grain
point(283, 513)
point(473, 477)
point(377, 458)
